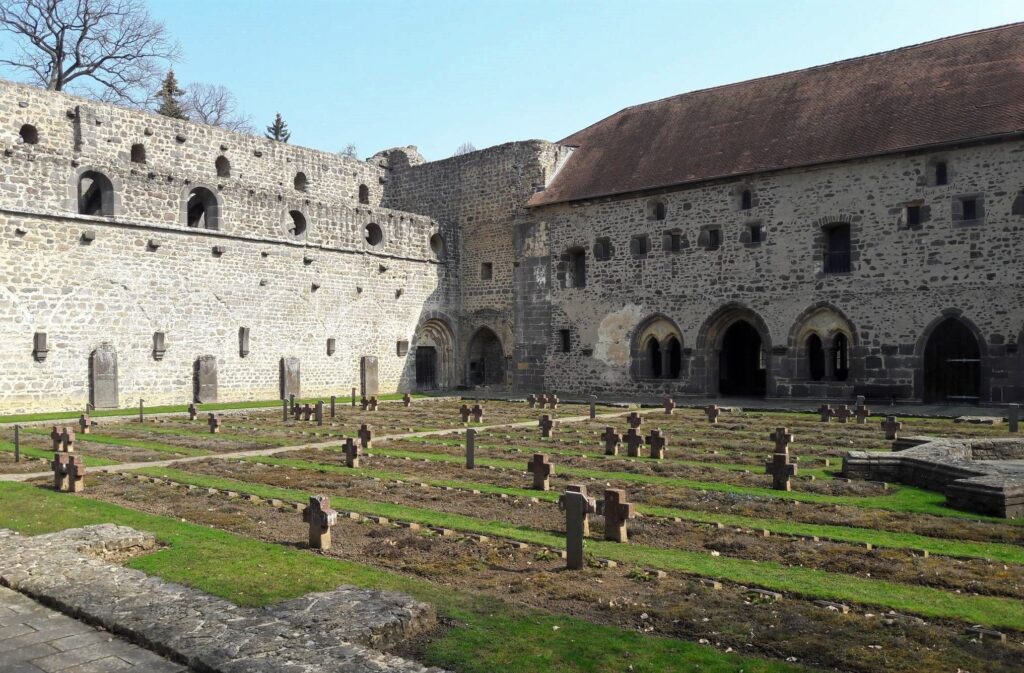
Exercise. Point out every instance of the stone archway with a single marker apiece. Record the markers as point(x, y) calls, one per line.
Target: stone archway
point(951, 364)
point(735, 346)
point(434, 356)
point(485, 359)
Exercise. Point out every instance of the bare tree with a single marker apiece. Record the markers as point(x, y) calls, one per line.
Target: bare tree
point(107, 49)
point(350, 151)
point(464, 148)
point(215, 105)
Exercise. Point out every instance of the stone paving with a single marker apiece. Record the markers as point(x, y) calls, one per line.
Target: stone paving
point(329, 632)
point(36, 639)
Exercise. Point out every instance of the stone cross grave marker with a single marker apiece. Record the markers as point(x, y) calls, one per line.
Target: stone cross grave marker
point(546, 425)
point(307, 412)
point(407, 400)
point(1013, 418)
point(334, 404)
point(470, 448)
point(297, 412)
point(826, 413)
point(478, 413)
point(843, 413)
point(892, 428)
point(612, 441)
point(780, 466)
point(364, 402)
point(321, 518)
point(593, 407)
point(576, 507)
point(580, 488)
point(318, 412)
point(861, 400)
point(193, 411)
point(656, 442)
point(214, 422)
point(365, 435)
point(464, 412)
point(634, 440)
point(84, 424)
point(68, 472)
point(542, 400)
point(712, 411)
point(63, 439)
point(351, 453)
point(55, 438)
point(634, 419)
point(531, 400)
point(862, 413)
point(373, 403)
point(552, 401)
point(542, 470)
point(669, 404)
point(616, 512)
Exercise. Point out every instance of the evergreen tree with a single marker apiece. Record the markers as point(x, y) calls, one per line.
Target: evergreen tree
point(168, 96)
point(278, 130)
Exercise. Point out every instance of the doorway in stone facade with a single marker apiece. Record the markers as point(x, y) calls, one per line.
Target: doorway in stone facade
point(486, 359)
point(426, 368)
point(952, 364)
point(741, 366)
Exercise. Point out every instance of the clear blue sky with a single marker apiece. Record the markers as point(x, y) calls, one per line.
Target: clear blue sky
point(437, 74)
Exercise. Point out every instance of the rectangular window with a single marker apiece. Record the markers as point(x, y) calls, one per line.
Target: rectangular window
point(756, 233)
point(565, 337)
point(402, 348)
point(913, 216)
point(672, 241)
point(639, 245)
point(970, 209)
point(837, 249)
point(486, 271)
point(603, 249)
point(714, 239)
point(941, 174)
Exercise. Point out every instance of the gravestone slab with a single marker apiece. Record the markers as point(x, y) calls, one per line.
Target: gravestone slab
point(291, 381)
point(103, 378)
point(368, 375)
point(206, 379)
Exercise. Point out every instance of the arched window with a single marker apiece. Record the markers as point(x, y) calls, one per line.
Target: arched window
point(654, 369)
point(437, 246)
point(364, 194)
point(657, 349)
point(297, 229)
point(656, 210)
point(672, 357)
point(301, 182)
point(138, 153)
point(815, 358)
point(202, 210)
point(95, 194)
point(374, 235)
point(29, 134)
point(837, 249)
point(840, 357)
point(223, 167)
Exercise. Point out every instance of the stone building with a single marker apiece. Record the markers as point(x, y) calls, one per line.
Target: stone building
point(854, 228)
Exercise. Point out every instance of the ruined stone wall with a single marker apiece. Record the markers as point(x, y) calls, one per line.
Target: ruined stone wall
point(903, 280)
point(92, 280)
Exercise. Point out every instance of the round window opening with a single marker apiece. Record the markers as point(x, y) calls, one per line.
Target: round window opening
point(29, 135)
point(297, 227)
point(373, 234)
point(437, 245)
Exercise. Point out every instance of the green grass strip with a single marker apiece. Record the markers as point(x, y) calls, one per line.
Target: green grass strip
point(1006, 553)
point(488, 636)
point(129, 443)
point(925, 601)
point(30, 452)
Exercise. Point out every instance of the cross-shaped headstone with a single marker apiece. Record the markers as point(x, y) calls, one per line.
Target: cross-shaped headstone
point(76, 473)
point(712, 411)
point(862, 413)
point(843, 413)
point(616, 512)
point(364, 403)
point(365, 435)
point(214, 422)
point(296, 412)
point(826, 413)
point(782, 439)
point(407, 400)
point(59, 465)
point(307, 412)
point(67, 440)
point(861, 401)
point(531, 400)
point(552, 401)
point(84, 424)
point(580, 488)
point(373, 402)
point(612, 440)
point(318, 412)
point(351, 453)
point(478, 413)
point(781, 469)
point(634, 419)
point(321, 518)
point(291, 399)
point(634, 440)
point(193, 412)
point(892, 428)
point(546, 425)
point(669, 404)
point(55, 438)
point(470, 448)
point(576, 507)
point(656, 442)
point(542, 470)
point(464, 412)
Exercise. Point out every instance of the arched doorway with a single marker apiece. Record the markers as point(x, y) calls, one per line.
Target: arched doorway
point(741, 367)
point(434, 346)
point(952, 364)
point(485, 358)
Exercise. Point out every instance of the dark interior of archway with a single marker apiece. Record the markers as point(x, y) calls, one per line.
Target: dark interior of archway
point(674, 358)
point(486, 359)
point(426, 368)
point(815, 357)
point(952, 364)
point(740, 371)
point(654, 358)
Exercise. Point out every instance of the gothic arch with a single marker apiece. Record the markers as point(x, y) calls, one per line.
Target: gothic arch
point(656, 349)
point(973, 345)
point(485, 358)
point(735, 322)
point(836, 336)
point(435, 367)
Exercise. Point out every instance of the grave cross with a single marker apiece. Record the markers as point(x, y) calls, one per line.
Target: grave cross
point(843, 413)
point(580, 488)
point(576, 507)
point(612, 440)
point(55, 438)
point(552, 401)
point(669, 404)
point(712, 411)
point(478, 413)
point(546, 426)
point(84, 424)
point(542, 470)
point(67, 440)
point(364, 403)
point(351, 453)
point(76, 474)
point(373, 402)
point(59, 465)
point(892, 428)
point(214, 422)
point(365, 435)
point(531, 400)
point(297, 412)
point(321, 518)
point(826, 413)
point(319, 412)
point(634, 419)
point(634, 440)
point(407, 400)
point(780, 466)
point(782, 439)
point(616, 512)
point(193, 411)
point(862, 413)
point(656, 441)
point(307, 412)
point(464, 412)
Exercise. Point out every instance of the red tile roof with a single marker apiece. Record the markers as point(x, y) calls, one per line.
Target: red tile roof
point(961, 88)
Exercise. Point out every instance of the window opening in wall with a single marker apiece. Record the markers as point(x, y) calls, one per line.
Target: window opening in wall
point(837, 249)
point(95, 195)
point(402, 348)
point(486, 270)
point(566, 339)
point(223, 167)
point(672, 357)
point(364, 194)
point(714, 238)
point(29, 134)
point(639, 245)
point(201, 210)
point(970, 208)
point(603, 249)
point(673, 241)
point(659, 210)
point(913, 216)
point(374, 234)
point(756, 233)
point(298, 225)
point(301, 182)
point(654, 358)
point(815, 358)
point(437, 246)
point(138, 153)
point(941, 173)
point(746, 200)
point(840, 357)
point(576, 273)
